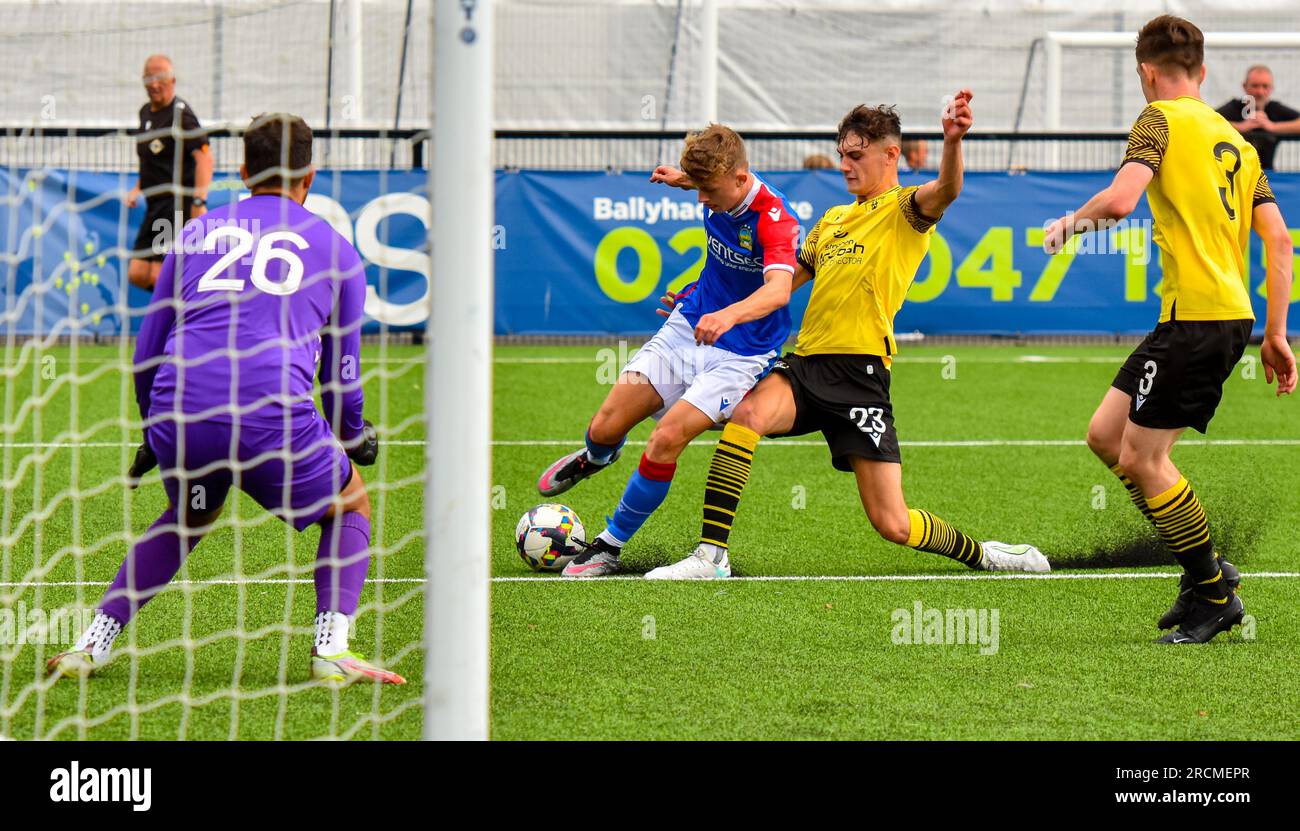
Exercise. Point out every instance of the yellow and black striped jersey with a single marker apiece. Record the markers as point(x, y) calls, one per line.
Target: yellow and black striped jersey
point(1207, 182)
point(863, 257)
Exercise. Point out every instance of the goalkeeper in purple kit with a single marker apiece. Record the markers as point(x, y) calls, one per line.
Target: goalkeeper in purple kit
point(261, 297)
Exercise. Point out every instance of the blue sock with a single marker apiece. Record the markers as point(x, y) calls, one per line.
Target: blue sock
point(601, 453)
point(645, 492)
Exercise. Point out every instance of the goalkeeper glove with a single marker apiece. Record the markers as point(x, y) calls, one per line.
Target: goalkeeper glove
point(364, 449)
point(145, 461)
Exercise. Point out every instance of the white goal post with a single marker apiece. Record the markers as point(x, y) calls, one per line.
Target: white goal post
point(1055, 44)
point(458, 376)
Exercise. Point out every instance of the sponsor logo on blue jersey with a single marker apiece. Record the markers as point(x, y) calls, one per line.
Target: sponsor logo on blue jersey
point(733, 270)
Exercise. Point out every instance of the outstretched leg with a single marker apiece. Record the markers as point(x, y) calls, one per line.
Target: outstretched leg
point(880, 485)
point(149, 566)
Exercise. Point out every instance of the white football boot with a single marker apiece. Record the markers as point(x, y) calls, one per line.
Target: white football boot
point(91, 652)
point(998, 556)
point(700, 565)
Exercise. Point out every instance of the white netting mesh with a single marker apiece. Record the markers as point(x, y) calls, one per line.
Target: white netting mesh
point(224, 650)
point(78, 61)
point(564, 64)
point(799, 65)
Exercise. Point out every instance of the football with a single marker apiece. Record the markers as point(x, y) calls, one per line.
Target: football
point(547, 537)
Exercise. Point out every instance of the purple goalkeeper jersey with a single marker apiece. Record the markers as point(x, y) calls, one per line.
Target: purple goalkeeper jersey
point(255, 297)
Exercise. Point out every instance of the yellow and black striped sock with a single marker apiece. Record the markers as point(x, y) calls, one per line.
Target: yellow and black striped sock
point(1134, 492)
point(1180, 519)
point(930, 533)
point(728, 473)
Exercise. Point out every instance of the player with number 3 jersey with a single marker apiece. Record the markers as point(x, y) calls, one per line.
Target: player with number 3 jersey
point(1206, 190)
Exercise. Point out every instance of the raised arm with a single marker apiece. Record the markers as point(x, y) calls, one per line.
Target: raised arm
point(1110, 204)
point(1275, 352)
point(934, 197)
point(668, 175)
point(341, 395)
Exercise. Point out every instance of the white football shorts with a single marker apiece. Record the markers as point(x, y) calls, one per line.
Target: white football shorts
point(711, 379)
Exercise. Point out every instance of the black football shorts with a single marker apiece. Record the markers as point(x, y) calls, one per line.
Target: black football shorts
point(846, 399)
point(1176, 375)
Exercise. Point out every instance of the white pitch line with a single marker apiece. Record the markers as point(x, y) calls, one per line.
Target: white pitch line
point(1118, 358)
point(909, 578)
point(773, 578)
point(269, 581)
point(769, 443)
point(65, 445)
point(940, 443)
point(597, 359)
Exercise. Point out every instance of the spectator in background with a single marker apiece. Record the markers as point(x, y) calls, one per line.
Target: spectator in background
point(818, 161)
point(915, 152)
point(171, 197)
point(1260, 119)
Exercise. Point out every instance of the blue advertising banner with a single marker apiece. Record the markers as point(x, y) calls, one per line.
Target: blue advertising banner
point(593, 252)
point(68, 236)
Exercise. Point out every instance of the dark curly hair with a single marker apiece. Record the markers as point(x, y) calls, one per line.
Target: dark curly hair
point(870, 124)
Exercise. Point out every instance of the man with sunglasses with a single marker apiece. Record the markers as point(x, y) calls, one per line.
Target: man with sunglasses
point(175, 171)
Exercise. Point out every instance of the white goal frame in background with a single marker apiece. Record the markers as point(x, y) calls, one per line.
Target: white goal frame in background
point(458, 376)
point(1055, 43)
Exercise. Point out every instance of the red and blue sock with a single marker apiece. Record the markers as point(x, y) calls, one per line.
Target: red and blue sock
point(646, 491)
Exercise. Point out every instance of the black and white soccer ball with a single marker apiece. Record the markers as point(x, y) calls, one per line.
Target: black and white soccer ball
point(547, 537)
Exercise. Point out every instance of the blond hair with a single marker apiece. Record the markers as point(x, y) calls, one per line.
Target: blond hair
point(712, 152)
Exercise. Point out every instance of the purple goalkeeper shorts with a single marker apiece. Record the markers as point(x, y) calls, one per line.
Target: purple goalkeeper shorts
point(294, 473)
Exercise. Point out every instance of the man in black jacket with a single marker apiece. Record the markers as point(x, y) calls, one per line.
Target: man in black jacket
point(1259, 118)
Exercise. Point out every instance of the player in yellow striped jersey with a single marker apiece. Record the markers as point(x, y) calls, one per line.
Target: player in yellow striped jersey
point(1206, 191)
point(862, 258)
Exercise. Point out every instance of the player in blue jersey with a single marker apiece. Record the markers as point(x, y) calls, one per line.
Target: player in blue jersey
point(259, 294)
point(719, 340)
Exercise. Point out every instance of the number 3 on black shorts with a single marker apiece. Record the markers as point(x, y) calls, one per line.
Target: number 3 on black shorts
point(1145, 383)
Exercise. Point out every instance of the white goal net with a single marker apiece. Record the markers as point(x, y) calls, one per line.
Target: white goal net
point(269, 563)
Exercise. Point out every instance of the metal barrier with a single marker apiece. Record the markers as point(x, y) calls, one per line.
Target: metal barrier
point(986, 151)
point(110, 149)
point(788, 151)
point(113, 149)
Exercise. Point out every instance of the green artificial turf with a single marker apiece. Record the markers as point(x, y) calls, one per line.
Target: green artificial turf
point(771, 658)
